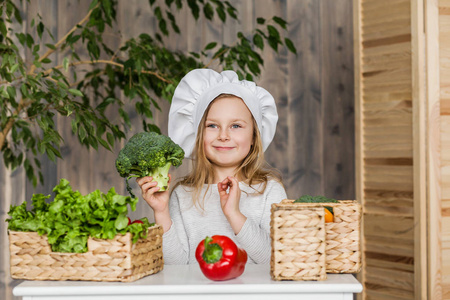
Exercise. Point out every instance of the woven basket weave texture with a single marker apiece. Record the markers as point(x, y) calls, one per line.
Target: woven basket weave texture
point(298, 243)
point(343, 239)
point(117, 259)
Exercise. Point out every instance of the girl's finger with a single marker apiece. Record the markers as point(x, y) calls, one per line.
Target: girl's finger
point(148, 185)
point(223, 186)
point(142, 180)
point(232, 179)
point(151, 190)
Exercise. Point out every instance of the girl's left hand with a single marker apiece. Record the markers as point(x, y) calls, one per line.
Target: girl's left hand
point(229, 199)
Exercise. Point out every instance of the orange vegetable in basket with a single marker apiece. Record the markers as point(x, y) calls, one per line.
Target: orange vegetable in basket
point(329, 218)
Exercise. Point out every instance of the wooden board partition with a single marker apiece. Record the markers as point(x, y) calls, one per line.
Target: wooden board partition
point(402, 101)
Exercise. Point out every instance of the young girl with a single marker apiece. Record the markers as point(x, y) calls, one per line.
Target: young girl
point(224, 125)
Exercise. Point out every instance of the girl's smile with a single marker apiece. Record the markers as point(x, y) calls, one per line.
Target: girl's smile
point(223, 148)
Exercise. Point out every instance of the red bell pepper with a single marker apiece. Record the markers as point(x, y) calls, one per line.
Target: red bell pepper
point(220, 258)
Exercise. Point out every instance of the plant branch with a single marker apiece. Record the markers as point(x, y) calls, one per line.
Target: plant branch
point(50, 51)
point(10, 123)
point(216, 57)
point(22, 103)
point(109, 62)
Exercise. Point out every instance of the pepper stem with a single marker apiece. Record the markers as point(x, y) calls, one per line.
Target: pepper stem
point(212, 252)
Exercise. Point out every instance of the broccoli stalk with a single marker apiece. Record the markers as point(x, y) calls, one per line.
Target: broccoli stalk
point(161, 176)
point(149, 154)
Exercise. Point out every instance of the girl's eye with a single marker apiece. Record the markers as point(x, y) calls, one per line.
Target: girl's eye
point(211, 126)
point(236, 126)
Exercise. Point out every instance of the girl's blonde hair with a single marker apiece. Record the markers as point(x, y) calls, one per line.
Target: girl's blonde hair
point(253, 170)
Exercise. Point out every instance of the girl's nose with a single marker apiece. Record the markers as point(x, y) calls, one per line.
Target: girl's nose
point(223, 135)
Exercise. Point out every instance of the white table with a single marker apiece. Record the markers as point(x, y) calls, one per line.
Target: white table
point(187, 282)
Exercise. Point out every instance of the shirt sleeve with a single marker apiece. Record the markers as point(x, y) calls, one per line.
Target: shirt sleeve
point(175, 241)
point(254, 237)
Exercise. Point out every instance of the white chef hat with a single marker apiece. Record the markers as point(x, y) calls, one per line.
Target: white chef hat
point(201, 86)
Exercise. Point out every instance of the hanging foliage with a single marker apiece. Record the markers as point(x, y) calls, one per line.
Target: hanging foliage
point(34, 91)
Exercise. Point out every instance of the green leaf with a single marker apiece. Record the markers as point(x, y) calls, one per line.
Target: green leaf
point(221, 13)
point(3, 29)
point(17, 15)
point(173, 22)
point(163, 27)
point(93, 4)
point(30, 40)
point(104, 144)
point(195, 9)
point(208, 11)
point(3, 92)
point(82, 133)
point(158, 13)
point(40, 29)
point(125, 117)
point(280, 21)
point(273, 43)
point(20, 36)
point(290, 45)
point(51, 154)
point(74, 126)
point(232, 12)
point(261, 21)
point(11, 92)
point(65, 63)
point(50, 46)
point(14, 68)
point(121, 221)
point(37, 64)
point(210, 46)
point(110, 138)
point(76, 92)
point(254, 68)
point(258, 41)
point(273, 32)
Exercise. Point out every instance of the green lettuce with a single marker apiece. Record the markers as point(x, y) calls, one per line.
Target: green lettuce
point(70, 218)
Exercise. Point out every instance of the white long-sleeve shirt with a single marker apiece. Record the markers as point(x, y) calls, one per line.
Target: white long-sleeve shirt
point(190, 225)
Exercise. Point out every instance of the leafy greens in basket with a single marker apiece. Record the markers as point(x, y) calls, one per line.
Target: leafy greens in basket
point(70, 218)
point(317, 199)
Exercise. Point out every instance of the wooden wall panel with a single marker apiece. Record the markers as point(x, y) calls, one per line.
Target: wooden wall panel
point(338, 124)
point(386, 145)
point(444, 73)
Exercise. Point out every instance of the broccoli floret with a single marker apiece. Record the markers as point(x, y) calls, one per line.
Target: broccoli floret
point(149, 154)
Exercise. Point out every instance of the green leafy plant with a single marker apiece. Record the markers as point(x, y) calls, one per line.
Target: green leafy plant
point(317, 199)
point(70, 218)
point(34, 91)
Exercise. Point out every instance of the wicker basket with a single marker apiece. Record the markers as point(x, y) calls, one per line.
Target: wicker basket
point(298, 242)
point(117, 259)
point(343, 245)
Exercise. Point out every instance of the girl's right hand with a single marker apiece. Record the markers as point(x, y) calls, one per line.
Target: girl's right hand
point(158, 201)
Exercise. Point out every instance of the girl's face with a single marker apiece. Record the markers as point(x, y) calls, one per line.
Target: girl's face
point(228, 133)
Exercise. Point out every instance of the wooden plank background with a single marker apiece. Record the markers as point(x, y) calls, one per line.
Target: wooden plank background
point(385, 143)
point(444, 76)
point(314, 144)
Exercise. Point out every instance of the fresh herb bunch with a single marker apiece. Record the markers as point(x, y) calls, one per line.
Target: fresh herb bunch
point(70, 218)
point(317, 199)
